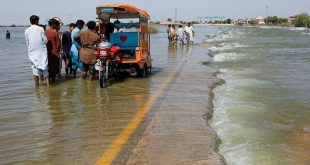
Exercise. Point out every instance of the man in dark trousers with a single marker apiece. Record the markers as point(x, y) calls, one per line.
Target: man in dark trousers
point(8, 35)
point(88, 40)
point(66, 46)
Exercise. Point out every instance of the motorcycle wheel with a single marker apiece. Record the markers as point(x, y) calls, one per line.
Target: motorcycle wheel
point(102, 79)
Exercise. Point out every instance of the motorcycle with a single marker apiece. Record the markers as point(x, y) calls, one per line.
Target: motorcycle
point(109, 57)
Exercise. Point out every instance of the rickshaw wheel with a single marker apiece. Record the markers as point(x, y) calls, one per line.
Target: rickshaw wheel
point(102, 80)
point(144, 72)
point(149, 70)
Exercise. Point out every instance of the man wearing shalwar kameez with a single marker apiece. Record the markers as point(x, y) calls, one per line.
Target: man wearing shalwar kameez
point(180, 33)
point(37, 51)
point(189, 32)
point(88, 39)
point(76, 63)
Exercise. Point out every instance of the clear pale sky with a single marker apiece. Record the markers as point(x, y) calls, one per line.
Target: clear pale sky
point(19, 11)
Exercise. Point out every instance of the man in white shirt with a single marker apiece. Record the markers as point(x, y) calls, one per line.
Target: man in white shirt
point(180, 33)
point(37, 51)
point(189, 31)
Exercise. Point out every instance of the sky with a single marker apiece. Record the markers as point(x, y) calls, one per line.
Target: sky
point(19, 11)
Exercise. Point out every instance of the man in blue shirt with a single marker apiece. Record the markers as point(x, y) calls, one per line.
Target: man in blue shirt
point(76, 63)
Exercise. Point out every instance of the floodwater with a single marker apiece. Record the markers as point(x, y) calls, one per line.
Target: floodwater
point(74, 121)
point(262, 112)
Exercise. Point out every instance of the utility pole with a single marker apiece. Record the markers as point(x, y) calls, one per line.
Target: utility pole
point(267, 8)
point(175, 14)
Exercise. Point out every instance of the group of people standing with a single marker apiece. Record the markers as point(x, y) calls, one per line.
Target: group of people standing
point(47, 49)
point(181, 34)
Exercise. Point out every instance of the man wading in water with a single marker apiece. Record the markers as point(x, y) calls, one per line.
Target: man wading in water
point(189, 32)
point(53, 48)
point(37, 51)
point(8, 35)
point(88, 40)
point(66, 45)
point(74, 51)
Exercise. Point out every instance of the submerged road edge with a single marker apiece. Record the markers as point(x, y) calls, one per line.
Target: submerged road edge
point(111, 152)
point(209, 116)
point(181, 132)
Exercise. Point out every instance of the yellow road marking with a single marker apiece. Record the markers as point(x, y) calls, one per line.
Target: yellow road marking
point(112, 151)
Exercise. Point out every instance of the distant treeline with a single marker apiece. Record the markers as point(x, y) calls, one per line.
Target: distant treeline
point(14, 25)
point(272, 20)
point(302, 20)
point(276, 21)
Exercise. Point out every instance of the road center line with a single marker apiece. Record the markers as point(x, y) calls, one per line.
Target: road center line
point(111, 152)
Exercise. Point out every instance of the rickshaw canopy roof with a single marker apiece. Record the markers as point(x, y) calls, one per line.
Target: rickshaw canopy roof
point(121, 11)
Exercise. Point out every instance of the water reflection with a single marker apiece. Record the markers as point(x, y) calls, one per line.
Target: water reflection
point(81, 119)
point(179, 53)
point(172, 50)
point(73, 121)
point(188, 54)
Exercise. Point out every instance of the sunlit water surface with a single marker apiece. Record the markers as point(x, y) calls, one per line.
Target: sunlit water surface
point(262, 111)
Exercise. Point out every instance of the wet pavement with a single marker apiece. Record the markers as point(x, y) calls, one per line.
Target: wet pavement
point(177, 132)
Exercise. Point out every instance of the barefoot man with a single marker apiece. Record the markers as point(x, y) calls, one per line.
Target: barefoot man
point(37, 51)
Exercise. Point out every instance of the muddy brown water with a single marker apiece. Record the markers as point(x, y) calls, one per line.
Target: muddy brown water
point(74, 121)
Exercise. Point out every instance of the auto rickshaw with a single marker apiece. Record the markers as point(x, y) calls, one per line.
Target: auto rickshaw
point(126, 26)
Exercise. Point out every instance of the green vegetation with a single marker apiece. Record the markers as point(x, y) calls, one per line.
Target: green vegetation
point(169, 20)
point(155, 22)
point(282, 21)
point(240, 23)
point(302, 20)
point(276, 21)
point(228, 21)
point(14, 25)
point(253, 22)
point(153, 29)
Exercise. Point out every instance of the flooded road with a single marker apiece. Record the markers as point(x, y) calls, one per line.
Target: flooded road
point(261, 113)
point(75, 121)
